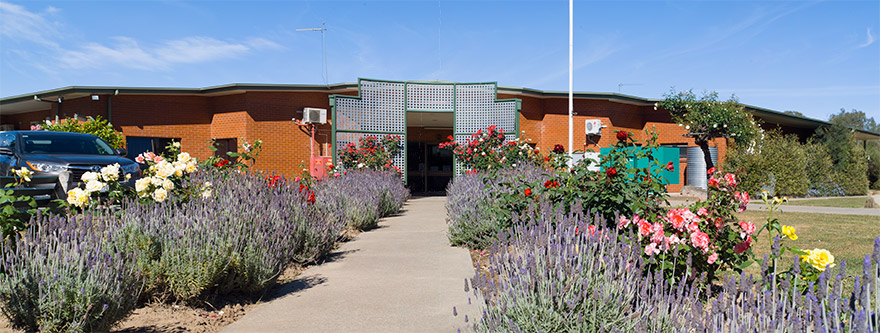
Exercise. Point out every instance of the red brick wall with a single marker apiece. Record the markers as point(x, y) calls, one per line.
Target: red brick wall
point(267, 116)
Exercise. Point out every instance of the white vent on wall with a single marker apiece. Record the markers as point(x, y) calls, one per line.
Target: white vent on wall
point(593, 126)
point(314, 116)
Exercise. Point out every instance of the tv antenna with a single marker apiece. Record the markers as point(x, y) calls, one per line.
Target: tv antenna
point(322, 29)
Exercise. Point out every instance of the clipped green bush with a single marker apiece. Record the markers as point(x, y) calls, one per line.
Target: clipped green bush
point(779, 161)
point(94, 126)
point(853, 178)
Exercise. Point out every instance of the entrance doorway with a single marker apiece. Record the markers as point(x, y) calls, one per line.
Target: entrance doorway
point(429, 168)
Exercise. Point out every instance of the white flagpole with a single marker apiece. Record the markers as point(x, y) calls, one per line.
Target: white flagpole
point(570, 80)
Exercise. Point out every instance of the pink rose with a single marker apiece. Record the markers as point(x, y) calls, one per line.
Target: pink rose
point(591, 229)
point(158, 159)
point(713, 182)
point(693, 227)
point(702, 211)
point(675, 218)
point(747, 227)
point(651, 249)
point(139, 159)
point(622, 222)
point(336, 174)
point(149, 156)
point(712, 258)
point(700, 239)
point(645, 228)
point(658, 236)
point(730, 179)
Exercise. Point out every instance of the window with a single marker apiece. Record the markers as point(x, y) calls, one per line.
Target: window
point(140, 145)
point(225, 145)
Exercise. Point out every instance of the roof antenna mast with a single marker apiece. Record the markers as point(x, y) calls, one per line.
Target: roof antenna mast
point(322, 29)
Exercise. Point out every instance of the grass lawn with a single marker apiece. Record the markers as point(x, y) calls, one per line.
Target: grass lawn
point(848, 202)
point(848, 237)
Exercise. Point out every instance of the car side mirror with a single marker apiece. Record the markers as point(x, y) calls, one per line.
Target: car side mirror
point(6, 151)
point(122, 152)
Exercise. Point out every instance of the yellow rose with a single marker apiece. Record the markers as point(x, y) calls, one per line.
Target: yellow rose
point(789, 231)
point(77, 197)
point(819, 258)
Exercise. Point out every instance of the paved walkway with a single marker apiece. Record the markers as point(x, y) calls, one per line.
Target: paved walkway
point(402, 277)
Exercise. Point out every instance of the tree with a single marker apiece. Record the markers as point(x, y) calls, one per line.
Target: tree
point(793, 113)
point(854, 119)
point(706, 119)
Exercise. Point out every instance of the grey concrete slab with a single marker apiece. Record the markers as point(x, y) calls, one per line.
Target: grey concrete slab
point(402, 277)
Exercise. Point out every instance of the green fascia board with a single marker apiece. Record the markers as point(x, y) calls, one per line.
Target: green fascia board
point(430, 111)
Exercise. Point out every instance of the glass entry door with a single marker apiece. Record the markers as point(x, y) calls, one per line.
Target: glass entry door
point(430, 168)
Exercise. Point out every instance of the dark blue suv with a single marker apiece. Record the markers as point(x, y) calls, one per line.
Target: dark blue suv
point(58, 160)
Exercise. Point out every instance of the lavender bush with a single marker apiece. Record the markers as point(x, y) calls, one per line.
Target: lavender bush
point(239, 239)
point(360, 198)
point(68, 275)
point(473, 214)
point(550, 273)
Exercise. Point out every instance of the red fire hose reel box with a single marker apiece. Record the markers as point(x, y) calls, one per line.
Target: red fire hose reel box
point(319, 165)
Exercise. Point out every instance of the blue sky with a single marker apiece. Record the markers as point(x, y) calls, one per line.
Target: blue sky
point(812, 57)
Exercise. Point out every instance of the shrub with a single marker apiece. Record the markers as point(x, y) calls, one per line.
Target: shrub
point(820, 171)
point(237, 240)
point(475, 212)
point(94, 126)
point(778, 161)
point(360, 198)
point(853, 178)
point(68, 275)
point(489, 150)
point(553, 273)
point(371, 153)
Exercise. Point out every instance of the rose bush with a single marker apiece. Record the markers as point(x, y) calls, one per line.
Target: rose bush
point(371, 153)
point(490, 150)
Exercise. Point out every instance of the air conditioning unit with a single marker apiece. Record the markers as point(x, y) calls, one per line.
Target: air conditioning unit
point(593, 126)
point(314, 116)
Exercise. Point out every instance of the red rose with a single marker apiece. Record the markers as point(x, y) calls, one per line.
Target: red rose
point(670, 166)
point(611, 172)
point(710, 171)
point(621, 136)
point(311, 197)
point(450, 138)
point(528, 192)
point(742, 247)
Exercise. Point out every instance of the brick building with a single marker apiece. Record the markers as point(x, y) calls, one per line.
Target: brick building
point(425, 113)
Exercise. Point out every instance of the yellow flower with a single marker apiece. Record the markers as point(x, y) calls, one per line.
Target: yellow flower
point(819, 258)
point(789, 231)
point(24, 174)
point(77, 197)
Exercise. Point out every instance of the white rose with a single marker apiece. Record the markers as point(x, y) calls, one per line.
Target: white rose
point(190, 168)
point(110, 172)
point(77, 197)
point(160, 194)
point(157, 181)
point(89, 176)
point(184, 157)
point(94, 186)
point(141, 185)
point(167, 184)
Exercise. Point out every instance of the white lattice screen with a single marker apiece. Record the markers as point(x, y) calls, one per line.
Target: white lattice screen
point(430, 97)
point(381, 111)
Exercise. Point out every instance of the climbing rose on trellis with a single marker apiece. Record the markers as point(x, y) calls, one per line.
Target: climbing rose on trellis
point(489, 150)
point(371, 153)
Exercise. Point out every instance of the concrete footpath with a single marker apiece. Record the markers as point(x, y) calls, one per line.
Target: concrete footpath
point(401, 277)
point(790, 207)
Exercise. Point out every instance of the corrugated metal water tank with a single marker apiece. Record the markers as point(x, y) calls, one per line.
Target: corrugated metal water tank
point(696, 166)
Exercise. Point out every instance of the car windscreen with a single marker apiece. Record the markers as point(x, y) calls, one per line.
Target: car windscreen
point(64, 144)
